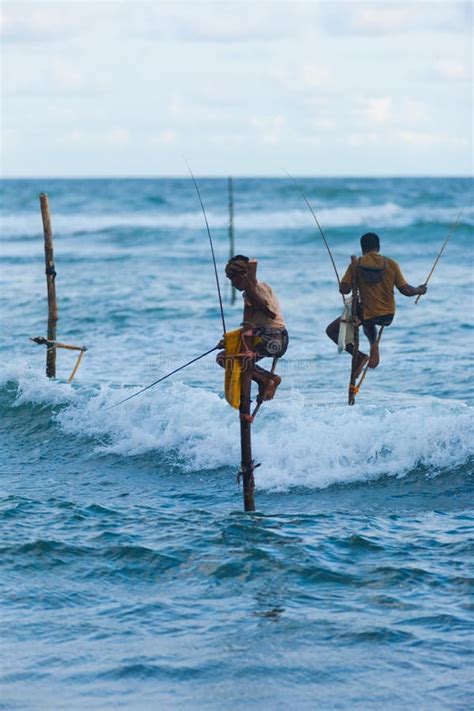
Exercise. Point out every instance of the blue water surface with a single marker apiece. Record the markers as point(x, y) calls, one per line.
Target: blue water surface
point(130, 576)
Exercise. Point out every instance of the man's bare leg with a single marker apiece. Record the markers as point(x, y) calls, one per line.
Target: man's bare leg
point(371, 332)
point(267, 383)
point(333, 332)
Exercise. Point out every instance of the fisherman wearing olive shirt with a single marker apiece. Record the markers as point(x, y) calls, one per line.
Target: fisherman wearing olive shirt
point(377, 276)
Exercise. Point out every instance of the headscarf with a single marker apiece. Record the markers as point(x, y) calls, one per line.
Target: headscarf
point(236, 267)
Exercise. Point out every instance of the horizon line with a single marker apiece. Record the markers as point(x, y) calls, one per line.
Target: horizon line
point(243, 176)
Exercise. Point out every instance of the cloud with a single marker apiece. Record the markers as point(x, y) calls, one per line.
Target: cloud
point(379, 110)
point(451, 69)
point(74, 136)
point(114, 137)
point(302, 79)
point(323, 124)
point(362, 139)
point(427, 139)
point(45, 22)
point(10, 139)
point(176, 107)
point(217, 22)
point(315, 76)
point(414, 111)
point(67, 77)
point(167, 137)
point(376, 18)
point(270, 128)
point(118, 137)
point(382, 17)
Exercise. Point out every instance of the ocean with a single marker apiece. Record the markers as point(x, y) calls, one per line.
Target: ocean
point(130, 576)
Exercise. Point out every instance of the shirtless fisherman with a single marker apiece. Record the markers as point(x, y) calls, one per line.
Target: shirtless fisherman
point(263, 318)
point(377, 275)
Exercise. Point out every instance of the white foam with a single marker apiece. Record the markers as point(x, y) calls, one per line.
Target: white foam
point(33, 387)
point(297, 443)
point(388, 214)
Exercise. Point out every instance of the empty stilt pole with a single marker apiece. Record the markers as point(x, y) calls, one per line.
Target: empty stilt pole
point(51, 286)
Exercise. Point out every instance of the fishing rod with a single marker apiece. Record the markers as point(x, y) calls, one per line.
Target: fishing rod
point(319, 227)
point(450, 234)
point(181, 367)
point(210, 242)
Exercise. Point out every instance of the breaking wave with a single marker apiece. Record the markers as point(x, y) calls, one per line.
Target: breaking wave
point(297, 443)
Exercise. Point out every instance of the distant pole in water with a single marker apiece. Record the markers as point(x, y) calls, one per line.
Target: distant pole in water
point(231, 232)
point(355, 346)
point(247, 466)
point(51, 285)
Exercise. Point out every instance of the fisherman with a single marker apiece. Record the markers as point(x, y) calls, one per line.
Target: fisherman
point(377, 275)
point(262, 319)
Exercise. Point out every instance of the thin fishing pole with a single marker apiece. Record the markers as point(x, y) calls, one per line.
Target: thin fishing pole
point(181, 367)
point(450, 234)
point(210, 242)
point(319, 226)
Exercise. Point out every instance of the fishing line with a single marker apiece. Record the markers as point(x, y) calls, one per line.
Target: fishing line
point(181, 367)
point(319, 227)
point(450, 234)
point(210, 242)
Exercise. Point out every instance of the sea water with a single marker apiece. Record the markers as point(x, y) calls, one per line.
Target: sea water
point(130, 577)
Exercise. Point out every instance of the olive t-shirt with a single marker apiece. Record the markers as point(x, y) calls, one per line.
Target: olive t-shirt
point(377, 299)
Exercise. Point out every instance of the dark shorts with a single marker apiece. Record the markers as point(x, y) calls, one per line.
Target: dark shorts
point(273, 342)
point(379, 320)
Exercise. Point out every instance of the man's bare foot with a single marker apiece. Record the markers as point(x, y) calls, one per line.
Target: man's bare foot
point(267, 389)
point(374, 359)
point(361, 362)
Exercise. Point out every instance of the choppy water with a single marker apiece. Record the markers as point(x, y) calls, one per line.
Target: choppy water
point(130, 577)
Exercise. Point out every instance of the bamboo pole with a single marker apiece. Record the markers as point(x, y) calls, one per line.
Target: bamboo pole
point(46, 342)
point(247, 466)
point(51, 285)
point(355, 319)
point(231, 232)
point(76, 367)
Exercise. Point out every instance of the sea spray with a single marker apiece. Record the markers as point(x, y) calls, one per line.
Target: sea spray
point(298, 444)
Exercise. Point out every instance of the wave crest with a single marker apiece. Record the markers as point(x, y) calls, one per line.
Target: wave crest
point(297, 443)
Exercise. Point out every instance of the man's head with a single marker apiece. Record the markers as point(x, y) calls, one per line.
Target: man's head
point(237, 271)
point(370, 242)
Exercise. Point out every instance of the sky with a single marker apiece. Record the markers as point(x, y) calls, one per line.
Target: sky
point(252, 87)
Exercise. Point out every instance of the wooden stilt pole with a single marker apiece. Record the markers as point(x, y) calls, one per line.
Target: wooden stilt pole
point(51, 285)
point(355, 323)
point(231, 232)
point(247, 465)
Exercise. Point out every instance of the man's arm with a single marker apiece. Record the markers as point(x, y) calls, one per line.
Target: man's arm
point(408, 290)
point(247, 331)
point(256, 301)
point(345, 286)
point(402, 285)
